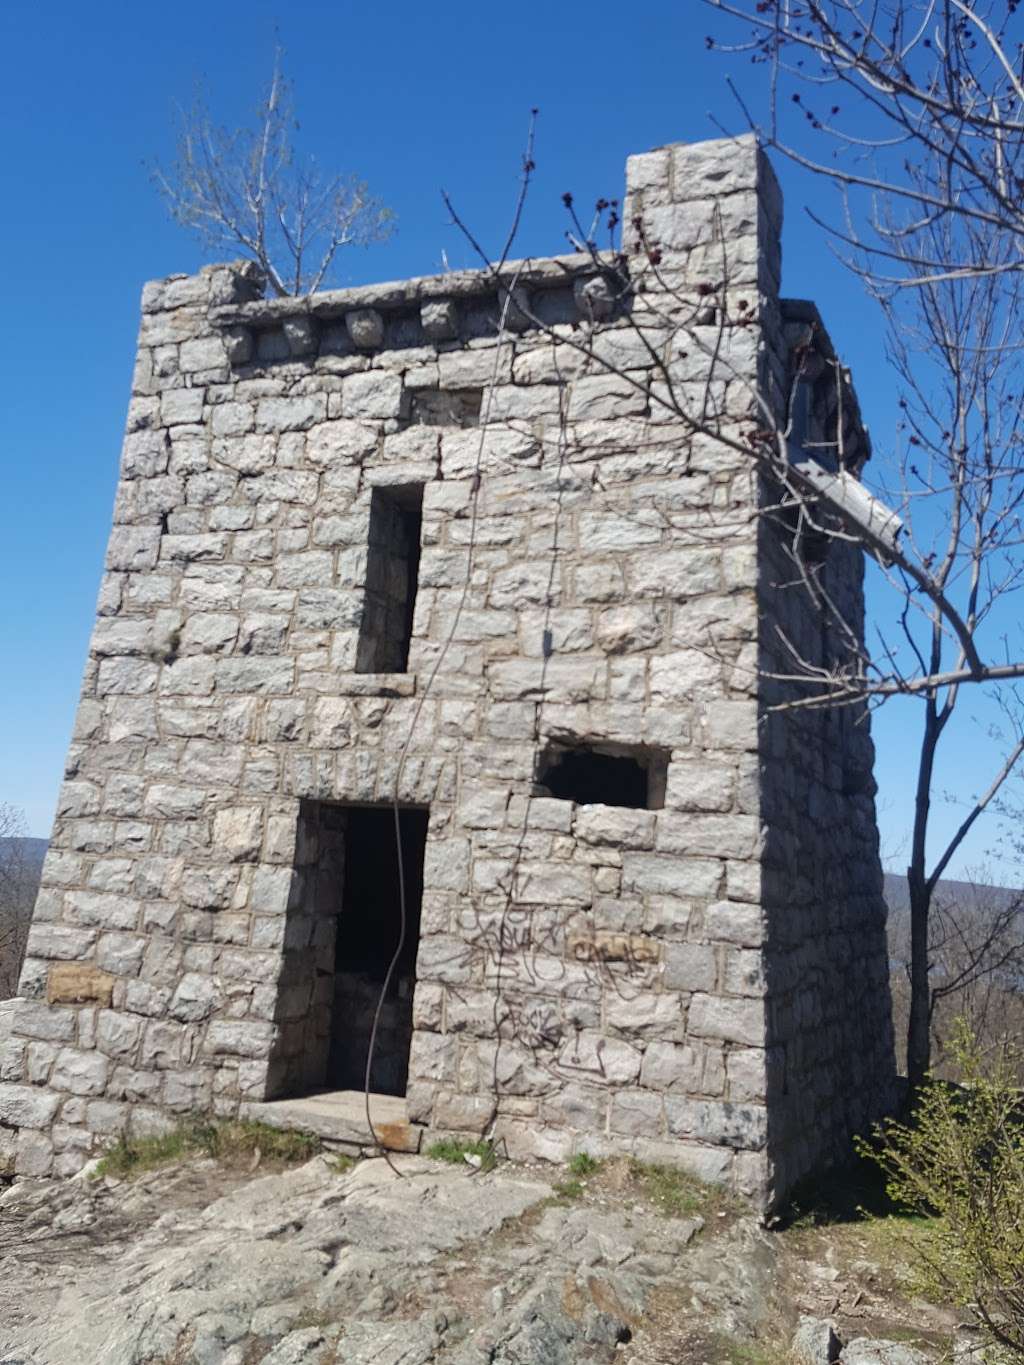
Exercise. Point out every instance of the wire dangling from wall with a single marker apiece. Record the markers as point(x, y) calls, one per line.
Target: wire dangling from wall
point(421, 702)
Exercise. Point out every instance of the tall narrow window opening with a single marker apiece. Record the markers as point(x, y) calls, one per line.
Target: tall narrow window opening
point(392, 577)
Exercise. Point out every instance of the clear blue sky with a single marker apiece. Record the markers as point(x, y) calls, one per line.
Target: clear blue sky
point(412, 97)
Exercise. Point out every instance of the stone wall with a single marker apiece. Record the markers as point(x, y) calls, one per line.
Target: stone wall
point(830, 1067)
point(659, 979)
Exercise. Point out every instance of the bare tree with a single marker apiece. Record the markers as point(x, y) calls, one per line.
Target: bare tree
point(247, 189)
point(976, 956)
point(955, 347)
point(863, 91)
point(17, 893)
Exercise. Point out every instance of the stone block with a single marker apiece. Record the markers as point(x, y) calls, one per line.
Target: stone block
point(461, 1113)
point(590, 945)
point(594, 298)
point(57, 941)
point(271, 890)
point(117, 1033)
point(732, 725)
point(120, 953)
point(375, 395)
point(646, 1014)
point(542, 883)
point(100, 909)
point(106, 1119)
point(439, 319)
point(614, 826)
point(180, 407)
point(592, 1058)
point(717, 1123)
point(365, 328)
point(290, 414)
point(187, 1092)
point(80, 1073)
point(700, 786)
point(663, 874)
point(12, 1058)
point(241, 1038)
point(637, 1113)
point(727, 1019)
point(133, 549)
point(689, 967)
point(77, 983)
point(209, 633)
point(239, 345)
point(628, 630)
point(206, 353)
point(735, 922)
point(25, 1106)
point(722, 836)
point(238, 832)
point(300, 332)
point(256, 676)
point(34, 1158)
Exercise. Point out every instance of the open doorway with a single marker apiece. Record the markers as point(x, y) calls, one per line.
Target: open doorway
point(344, 927)
point(368, 933)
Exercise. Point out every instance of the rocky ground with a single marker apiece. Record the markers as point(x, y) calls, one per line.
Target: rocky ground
point(198, 1264)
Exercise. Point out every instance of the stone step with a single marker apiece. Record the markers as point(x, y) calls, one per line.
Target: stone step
point(339, 1116)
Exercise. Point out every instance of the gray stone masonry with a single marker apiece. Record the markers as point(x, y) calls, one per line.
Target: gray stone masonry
point(698, 977)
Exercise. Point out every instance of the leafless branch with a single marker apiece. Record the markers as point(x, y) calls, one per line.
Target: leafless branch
point(247, 189)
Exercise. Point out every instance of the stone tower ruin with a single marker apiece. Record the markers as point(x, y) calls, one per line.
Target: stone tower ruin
point(446, 558)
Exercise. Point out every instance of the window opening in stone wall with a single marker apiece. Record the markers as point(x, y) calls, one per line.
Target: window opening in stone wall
point(606, 774)
point(445, 407)
point(392, 577)
point(343, 927)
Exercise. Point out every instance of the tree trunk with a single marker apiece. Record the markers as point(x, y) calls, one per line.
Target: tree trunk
point(918, 1034)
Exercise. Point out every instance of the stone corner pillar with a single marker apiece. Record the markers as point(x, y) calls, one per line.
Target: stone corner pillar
point(709, 210)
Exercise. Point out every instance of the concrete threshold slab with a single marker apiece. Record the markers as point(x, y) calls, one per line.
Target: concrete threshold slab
point(340, 1116)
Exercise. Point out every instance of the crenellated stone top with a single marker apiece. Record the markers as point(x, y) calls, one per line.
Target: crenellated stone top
point(428, 309)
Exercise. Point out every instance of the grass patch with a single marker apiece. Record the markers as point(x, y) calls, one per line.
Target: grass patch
point(233, 1143)
point(746, 1353)
point(678, 1194)
point(584, 1164)
point(456, 1150)
point(569, 1189)
point(342, 1164)
point(242, 1139)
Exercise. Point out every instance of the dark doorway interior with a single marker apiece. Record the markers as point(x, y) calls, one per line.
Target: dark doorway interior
point(368, 932)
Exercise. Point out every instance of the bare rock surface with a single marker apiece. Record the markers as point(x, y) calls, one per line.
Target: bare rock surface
point(423, 1262)
point(865, 1352)
point(311, 1266)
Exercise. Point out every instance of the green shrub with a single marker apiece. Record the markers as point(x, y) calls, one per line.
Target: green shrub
point(961, 1160)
